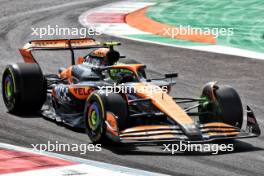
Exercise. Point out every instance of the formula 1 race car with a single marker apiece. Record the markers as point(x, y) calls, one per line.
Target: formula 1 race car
point(112, 98)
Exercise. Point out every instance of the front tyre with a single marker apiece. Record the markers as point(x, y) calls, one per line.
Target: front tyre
point(96, 108)
point(95, 115)
point(23, 88)
point(224, 105)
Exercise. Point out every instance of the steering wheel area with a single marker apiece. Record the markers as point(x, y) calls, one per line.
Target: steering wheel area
point(122, 75)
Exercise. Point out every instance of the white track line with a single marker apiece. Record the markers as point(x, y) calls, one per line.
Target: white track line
point(83, 166)
point(114, 29)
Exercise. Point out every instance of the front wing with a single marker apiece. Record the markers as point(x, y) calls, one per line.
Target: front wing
point(164, 133)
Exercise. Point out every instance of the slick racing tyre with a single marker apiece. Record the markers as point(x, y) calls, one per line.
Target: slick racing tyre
point(225, 107)
point(132, 61)
point(96, 107)
point(23, 88)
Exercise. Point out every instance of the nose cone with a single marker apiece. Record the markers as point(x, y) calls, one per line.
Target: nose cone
point(192, 132)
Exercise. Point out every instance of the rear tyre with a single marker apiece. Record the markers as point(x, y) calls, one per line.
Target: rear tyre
point(23, 88)
point(96, 108)
point(226, 107)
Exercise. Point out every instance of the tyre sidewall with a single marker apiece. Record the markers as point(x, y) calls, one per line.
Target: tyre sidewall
point(29, 87)
point(226, 107)
point(230, 106)
point(98, 135)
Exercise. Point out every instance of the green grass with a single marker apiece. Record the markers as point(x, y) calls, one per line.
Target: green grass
point(245, 17)
point(157, 38)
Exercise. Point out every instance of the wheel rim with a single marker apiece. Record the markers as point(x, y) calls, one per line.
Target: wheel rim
point(94, 116)
point(8, 87)
point(213, 107)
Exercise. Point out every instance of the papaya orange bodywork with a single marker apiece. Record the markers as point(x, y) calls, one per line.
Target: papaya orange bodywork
point(156, 137)
point(111, 120)
point(66, 74)
point(100, 52)
point(144, 127)
point(27, 55)
point(217, 124)
point(164, 102)
point(80, 92)
point(80, 60)
point(53, 45)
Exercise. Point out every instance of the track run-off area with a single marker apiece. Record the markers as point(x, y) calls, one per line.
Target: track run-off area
point(228, 27)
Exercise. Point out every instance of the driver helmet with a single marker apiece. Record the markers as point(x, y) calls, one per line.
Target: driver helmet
point(108, 57)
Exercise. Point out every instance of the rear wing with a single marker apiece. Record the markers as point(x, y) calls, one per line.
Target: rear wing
point(56, 44)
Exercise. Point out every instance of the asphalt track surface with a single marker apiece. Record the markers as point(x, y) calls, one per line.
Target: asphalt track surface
point(195, 69)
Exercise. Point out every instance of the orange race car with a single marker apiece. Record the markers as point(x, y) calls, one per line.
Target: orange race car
point(115, 101)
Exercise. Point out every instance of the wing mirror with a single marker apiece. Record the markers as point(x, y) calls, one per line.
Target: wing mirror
point(171, 75)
